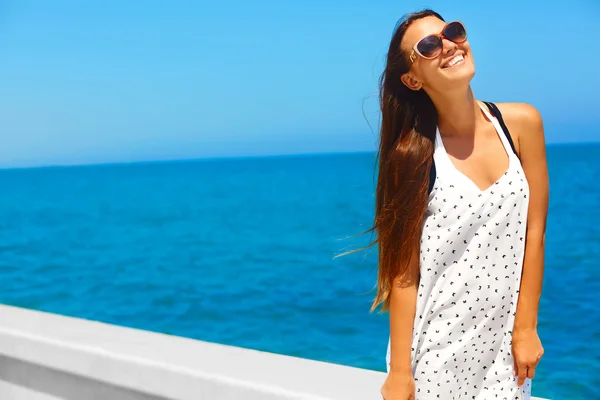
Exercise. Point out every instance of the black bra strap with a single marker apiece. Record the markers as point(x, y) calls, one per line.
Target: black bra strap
point(496, 113)
point(432, 174)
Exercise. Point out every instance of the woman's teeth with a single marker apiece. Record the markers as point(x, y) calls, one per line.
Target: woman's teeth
point(454, 61)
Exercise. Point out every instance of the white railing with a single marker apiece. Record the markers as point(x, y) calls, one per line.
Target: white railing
point(52, 357)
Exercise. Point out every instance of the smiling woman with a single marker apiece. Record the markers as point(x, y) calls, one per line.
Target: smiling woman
point(461, 290)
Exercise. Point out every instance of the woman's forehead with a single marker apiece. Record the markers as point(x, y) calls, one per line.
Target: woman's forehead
point(421, 28)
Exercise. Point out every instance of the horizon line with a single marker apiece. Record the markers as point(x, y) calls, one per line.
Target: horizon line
point(234, 157)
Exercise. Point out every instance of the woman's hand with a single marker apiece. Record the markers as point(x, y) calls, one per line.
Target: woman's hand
point(527, 350)
point(398, 386)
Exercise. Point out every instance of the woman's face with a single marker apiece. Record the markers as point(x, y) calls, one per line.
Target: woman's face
point(447, 70)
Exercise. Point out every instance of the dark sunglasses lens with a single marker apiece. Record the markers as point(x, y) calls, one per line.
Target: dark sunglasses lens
point(430, 47)
point(456, 32)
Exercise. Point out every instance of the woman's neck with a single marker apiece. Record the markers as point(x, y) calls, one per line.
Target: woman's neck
point(458, 112)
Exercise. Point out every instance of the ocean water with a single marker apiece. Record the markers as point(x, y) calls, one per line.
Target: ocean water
point(241, 252)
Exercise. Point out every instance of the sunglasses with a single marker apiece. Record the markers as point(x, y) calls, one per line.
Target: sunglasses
point(431, 46)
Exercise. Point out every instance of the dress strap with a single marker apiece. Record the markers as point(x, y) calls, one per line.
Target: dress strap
point(498, 115)
point(437, 146)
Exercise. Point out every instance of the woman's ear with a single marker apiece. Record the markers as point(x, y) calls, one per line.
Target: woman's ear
point(411, 82)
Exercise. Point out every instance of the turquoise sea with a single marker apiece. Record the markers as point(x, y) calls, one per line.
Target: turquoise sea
point(241, 251)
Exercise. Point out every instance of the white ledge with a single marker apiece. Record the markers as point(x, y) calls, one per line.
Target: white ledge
point(46, 356)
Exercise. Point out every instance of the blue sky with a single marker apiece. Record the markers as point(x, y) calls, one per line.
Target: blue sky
point(110, 81)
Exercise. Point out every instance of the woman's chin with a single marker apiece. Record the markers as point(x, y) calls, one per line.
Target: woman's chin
point(460, 73)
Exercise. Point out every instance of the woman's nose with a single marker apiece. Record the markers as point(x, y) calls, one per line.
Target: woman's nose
point(448, 46)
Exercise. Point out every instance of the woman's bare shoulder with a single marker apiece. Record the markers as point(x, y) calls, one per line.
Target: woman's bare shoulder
point(523, 121)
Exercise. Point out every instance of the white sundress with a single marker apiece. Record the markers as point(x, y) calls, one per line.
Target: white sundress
point(471, 258)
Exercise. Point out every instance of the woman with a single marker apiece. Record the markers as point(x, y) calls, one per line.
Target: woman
point(462, 192)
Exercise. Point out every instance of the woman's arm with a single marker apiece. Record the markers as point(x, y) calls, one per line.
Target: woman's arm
point(533, 159)
point(525, 121)
point(400, 383)
point(403, 304)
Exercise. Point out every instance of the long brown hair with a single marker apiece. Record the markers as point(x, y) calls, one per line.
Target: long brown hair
point(404, 158)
